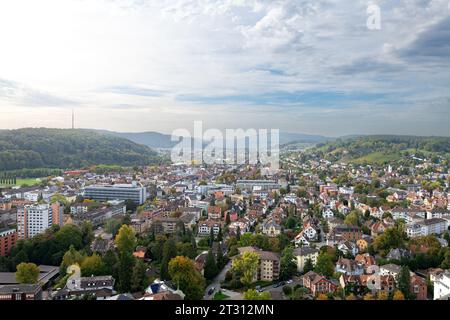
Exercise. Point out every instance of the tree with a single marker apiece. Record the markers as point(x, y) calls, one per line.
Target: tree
point(382, 296)
point(252, 294)
point(308, 265)
point(169, 252)
point(71, 257)
point(404, 282)
point(211, 236)
point(69, 235)
point(352, 218)
point(186, 277)
point(112, 226)
point(368, 296)
point(210, 270)
point(351, 296)
point(324, 265)
point(139, 279)
point(92, 266)
point(238, 233)
point(398, 295)
point(27, 273)
point(87, 233)
point(246, 266)
point(287, 265)
point(125, 240)
point(110, 263)
point(393, 237)
point(220, 259)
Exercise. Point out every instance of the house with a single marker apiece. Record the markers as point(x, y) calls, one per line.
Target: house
point(349, 233)
point(348, 247)
point(318, 284)
point(390, 269)
point(101, 287)
point(327, 213)
point(418, 287)
point(363, 243)
point(301, 240)
point(302, 254)
point(271, 228)
point(214, 212)
point(366, 260)
point(360, 284)
point(398, 254)
point(378, 228)
point(204, 228)
point(349, 267)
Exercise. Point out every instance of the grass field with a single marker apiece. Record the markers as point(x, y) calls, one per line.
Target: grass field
point(220, 296)
point(21, 182)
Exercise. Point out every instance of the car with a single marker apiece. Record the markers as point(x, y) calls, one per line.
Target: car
point(211, 290)
point(276, 285)
point(289, 281)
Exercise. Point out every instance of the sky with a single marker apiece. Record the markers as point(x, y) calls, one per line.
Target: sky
point(306, 66)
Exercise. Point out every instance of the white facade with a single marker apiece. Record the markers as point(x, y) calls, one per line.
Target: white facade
point(33, 220)
point(441, 286)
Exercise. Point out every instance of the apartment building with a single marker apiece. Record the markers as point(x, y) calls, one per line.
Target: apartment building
point(427, 227)
point(8, 239)
point(302, 254)
point(269, 264)
point(35, 219)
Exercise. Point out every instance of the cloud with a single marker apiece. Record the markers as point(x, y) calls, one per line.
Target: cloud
point(17, 94)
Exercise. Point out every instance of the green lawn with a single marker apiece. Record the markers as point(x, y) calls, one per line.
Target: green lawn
point(21, 182)
point(220, 296)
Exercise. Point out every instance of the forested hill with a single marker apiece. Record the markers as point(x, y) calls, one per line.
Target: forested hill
point(67, 148)
point(383, 148)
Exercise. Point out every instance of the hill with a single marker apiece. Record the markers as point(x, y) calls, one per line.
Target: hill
point(67, 148)
point(160, 140)
point(382, 149)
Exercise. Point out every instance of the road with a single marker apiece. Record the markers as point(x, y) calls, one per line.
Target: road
point(216, 282)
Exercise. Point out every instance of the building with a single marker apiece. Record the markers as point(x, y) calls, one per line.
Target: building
point(302, 254)
point(265, 185)
point(132, 192)
point(442, 286)
point(269, 264)
point(271, 228)
point(21, 292)
point(162, 225)
point(349, 233)
point(419, 287)
point(204, 228)
point(318, 284)
point(427, 227)
point(35, 219)
point(8, 239)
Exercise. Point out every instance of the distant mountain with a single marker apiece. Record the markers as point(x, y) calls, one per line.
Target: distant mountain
point(67, 148)
point(160, 140)
point(149, 138)
point(381, 149)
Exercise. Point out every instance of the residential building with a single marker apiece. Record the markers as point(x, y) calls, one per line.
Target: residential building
point(418, 287)
point(269, 264)
point(442, 286)
point(271, 228)
point(34, 219)
point(302, 254)
point(318, 284)
point(8, 239)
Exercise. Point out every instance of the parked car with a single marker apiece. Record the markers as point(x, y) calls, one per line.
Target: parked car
point(211, 290)
point(289, 281)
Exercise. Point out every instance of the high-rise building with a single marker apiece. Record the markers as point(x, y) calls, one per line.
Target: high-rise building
point(8, 239)
point(35, 219)
point(133, 192)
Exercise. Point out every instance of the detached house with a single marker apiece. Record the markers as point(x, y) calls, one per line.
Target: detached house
point(318, 284)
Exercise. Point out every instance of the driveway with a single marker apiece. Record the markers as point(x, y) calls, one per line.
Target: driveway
point(216, 282)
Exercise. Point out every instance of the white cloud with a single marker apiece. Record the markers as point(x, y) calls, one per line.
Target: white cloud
point(74, 50)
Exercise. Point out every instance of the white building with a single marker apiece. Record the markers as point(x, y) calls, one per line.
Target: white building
point(33, 220)
point(442, 286)
point(427, 227)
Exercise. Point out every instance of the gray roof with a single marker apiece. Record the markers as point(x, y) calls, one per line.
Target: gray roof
point(303, 251)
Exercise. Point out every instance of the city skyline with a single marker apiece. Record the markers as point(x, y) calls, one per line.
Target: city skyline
point(302, 66)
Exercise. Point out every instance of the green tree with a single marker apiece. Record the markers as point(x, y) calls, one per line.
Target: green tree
point(246, 266)
point(308, 265)
point(92, 265)
point(287, 265)
point(139, 279)
point(210, 270)
point(125, 240)
point(352, 218)
point(72, 256)
point(186, 277)
point(404, 282)
point(324, 265)
point(27, 273)
point(169, 252)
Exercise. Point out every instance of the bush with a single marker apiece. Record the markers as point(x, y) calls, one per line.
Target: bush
point(287, 290)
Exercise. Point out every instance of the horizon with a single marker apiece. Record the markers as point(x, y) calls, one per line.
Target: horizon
point(281, 132)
